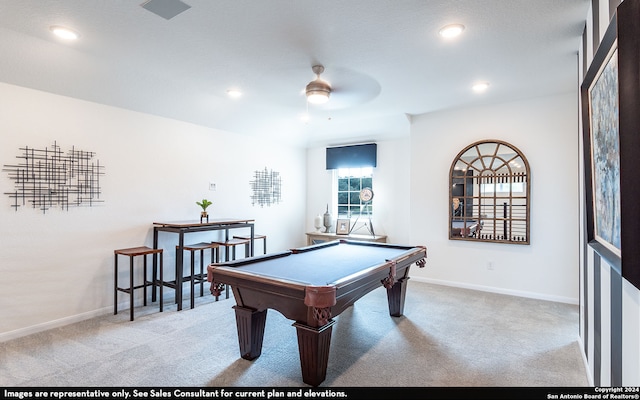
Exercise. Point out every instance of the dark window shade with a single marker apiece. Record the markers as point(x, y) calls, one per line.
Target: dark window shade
point(357, 156)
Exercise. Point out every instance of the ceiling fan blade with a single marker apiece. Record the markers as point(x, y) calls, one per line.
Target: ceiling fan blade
point(350, 88)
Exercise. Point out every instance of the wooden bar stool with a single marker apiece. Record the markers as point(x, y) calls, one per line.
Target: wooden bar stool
point(202, 276)
point(255, 237)
point(232, 244)
point(132, 252)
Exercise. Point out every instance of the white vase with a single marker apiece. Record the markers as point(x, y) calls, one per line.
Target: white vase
point(317, 222)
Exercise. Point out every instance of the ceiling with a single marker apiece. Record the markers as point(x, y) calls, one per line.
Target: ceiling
point(383, 58)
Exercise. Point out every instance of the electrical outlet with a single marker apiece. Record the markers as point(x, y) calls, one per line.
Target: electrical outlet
point(212, 186)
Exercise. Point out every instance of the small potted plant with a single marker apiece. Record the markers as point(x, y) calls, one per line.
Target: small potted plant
point(204, 204)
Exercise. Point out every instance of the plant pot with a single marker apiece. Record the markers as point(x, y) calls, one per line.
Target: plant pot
point(204, 215)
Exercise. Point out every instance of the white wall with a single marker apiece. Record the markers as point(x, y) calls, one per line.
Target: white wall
point(630, 334)
point(57, 266)
point(545, 130)
point(390, 187)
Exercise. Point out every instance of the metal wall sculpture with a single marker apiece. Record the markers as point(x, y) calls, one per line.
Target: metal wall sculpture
point(47, 178)
point(266, 188)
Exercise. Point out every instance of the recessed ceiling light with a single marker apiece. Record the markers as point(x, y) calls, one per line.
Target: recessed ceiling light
point(235, 93)
point(64, 33)
point(480, 87)
point(451, 31)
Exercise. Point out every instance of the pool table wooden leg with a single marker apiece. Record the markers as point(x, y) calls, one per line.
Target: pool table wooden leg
point(396, 295)
point(250, 325)
point(313, 346)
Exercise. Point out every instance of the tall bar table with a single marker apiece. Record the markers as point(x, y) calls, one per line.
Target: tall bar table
point(184, 227)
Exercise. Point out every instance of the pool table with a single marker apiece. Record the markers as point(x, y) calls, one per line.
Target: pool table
point(312, 285)
point(466, 228)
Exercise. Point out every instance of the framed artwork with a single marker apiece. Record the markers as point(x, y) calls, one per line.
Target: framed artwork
point(610, 95)
point(343, 226)
point(605, 153)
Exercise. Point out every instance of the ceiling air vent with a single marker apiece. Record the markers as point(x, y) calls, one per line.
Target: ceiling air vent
point(167, 9)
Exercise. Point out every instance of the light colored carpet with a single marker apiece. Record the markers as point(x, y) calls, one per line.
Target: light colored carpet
point(447, 337)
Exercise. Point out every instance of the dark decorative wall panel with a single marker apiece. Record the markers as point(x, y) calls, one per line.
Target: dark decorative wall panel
point(603, 283)
point(48, 178)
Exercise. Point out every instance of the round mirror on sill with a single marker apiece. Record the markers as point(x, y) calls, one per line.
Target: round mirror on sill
point(489, 194)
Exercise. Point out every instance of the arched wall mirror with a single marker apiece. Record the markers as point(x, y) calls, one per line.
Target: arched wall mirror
point(489, 184)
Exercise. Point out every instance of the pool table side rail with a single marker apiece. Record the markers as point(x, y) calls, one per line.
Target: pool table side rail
point(251, 260)
point(349, 241)
point(230, 275)
point(413, 255)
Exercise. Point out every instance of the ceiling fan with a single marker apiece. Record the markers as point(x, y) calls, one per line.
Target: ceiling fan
point(318, 90)
point(347, 88)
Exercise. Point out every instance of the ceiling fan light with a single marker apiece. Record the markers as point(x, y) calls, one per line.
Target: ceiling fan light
point(318, 92)
point(317, 97)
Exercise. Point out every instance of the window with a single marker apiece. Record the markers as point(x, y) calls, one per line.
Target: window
point(349, 183)
point(514, 187)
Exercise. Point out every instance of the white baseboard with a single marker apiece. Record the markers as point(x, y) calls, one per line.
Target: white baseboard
point(53, 324)
point(585, 361)
point(531, 295)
